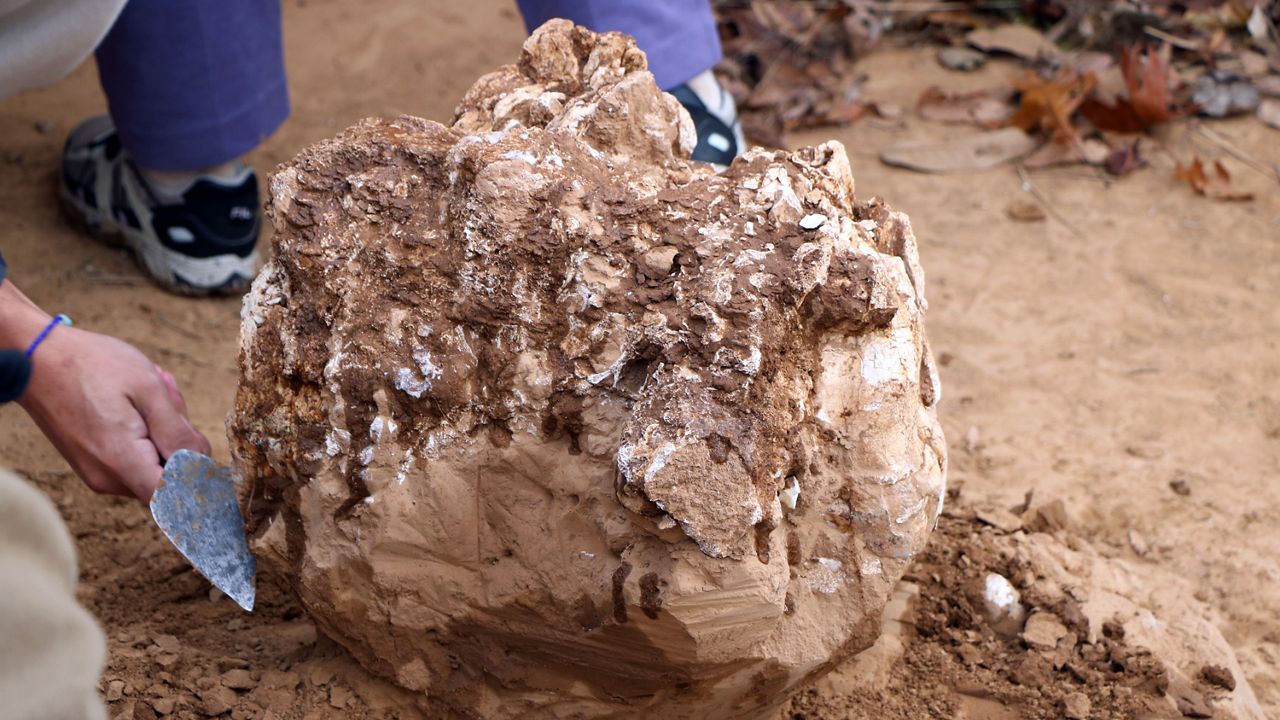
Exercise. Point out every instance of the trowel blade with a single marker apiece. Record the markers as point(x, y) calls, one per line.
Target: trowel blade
point(196, 508)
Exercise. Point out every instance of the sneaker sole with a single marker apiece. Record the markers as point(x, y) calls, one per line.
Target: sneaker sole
point(218, 275)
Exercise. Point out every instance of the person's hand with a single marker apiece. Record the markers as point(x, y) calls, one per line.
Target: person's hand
point(111, 412)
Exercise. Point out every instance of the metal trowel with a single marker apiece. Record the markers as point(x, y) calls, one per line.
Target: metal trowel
point(196, 508)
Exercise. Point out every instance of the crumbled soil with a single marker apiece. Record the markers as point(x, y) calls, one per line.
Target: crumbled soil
point(1131, 369)
point(957, 665)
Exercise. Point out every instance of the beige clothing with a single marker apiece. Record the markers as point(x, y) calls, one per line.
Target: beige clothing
point(43, 40)
point(51, 650)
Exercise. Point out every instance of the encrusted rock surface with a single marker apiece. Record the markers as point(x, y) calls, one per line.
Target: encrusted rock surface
point(543, 420)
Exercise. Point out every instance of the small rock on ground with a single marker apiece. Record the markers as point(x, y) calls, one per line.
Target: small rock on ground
point(1076, 706)
point(217, 699)
point(1043, 631)
point(1219, 676)
point(238, 680)
point(115, 690)
point(339, 696)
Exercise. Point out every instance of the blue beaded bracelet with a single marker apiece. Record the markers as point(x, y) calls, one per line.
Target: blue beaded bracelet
point(55, 322)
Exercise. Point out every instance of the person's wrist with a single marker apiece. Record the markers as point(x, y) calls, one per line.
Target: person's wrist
point(20, 319)
point(21, 322)
point(53, 370)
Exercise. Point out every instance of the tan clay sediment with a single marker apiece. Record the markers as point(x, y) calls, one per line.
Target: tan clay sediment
point(544, 420)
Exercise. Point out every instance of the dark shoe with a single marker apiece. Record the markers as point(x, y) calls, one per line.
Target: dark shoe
point(199, 243)
point(716, 118)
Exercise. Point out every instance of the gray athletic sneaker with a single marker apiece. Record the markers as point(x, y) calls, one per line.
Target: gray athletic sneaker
point(199, 241)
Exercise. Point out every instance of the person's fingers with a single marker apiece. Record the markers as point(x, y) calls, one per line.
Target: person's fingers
point(202, 442)
point(100, 479)
point(175, 394)
point(109, 486)
point(171, 385)
point(168, 428)
point(136, 464)
point(94, 467)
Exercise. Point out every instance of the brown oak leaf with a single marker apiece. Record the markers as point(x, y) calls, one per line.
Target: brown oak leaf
point(1216, 186)
point(1148, 101)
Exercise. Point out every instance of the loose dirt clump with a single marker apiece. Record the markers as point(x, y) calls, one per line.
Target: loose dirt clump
point(1089, 642)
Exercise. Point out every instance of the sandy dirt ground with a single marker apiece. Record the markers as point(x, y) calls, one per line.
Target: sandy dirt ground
point(1121, 355)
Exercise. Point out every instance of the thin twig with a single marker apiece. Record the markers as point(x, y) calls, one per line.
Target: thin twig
point(1044, 200)
point(113, 280)
point(1173, 40)
point(174, 326)
point(180, 355)
point(941, 5)
point(90, 273)
point(1088, 172)
point(944, 6)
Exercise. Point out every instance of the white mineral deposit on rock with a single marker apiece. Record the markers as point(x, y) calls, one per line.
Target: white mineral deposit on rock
point(812, 222)
point(645, 440)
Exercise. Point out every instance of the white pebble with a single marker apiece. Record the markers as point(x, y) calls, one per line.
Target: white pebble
point(812, 222)
point(1003, 605)
point(790, 494)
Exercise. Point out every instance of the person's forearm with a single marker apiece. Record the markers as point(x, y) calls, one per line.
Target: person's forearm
point(20, 319)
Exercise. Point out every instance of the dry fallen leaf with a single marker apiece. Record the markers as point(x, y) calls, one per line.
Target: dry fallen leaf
point(1216, 186)
point(1090, 152)
point(1047, 104)
point(1258, 25)
point(984, 108)
point(1254, 64)
point(963, 59)
point(953, 18)
point(1124, 160)
point(779, 85)
point(1269, 113)
point(1025, 209)
point(1149, 101)
point(885, 110)
point(1221, 15)
point(789, 63)
point(1268, 86)
point(790, 19)
point(1091, 61)
point(1021, 40)
point(962, 154)
point(828, 114)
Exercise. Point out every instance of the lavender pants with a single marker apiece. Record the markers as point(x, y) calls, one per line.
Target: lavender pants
point(679, 36)
point(195, 83)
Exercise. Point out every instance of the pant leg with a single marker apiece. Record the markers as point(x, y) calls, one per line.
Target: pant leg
point(679, 36)
point(194, 83)
point(51, 650)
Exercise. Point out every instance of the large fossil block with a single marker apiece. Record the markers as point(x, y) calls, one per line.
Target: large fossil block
point(543, 420)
